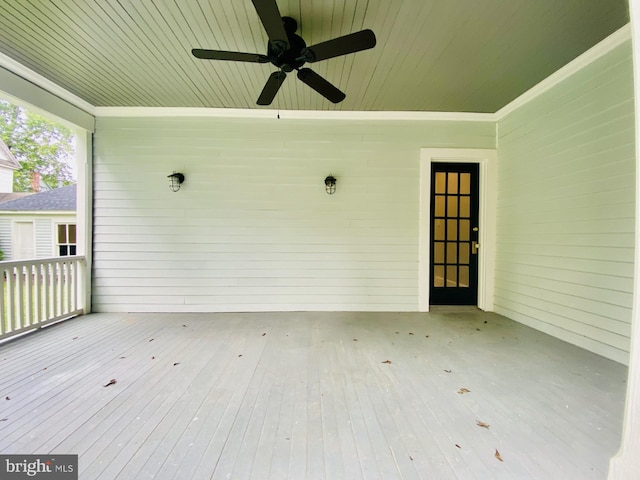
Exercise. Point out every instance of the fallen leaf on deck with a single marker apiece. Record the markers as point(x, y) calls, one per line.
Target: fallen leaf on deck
point(426, 336)
point(152, 340)
point(497, 455)
point(177, 363)
point(184, 325)
point(7, 397)
point(386, 361)
point(122, 358)
point(458, 445)
point(477, 329)
point(355, 339)
point(482, 424)
point(410, 458)
point(240, 355)
point(153, 358)
point(264, 334)
point(462, 391)
point(111, 382)
point(74, 338)
point(486, 321)
point(448, 371)
point(410, 333)
point(3, 419)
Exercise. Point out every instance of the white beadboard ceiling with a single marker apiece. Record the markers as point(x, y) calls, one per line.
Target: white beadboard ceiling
point(431, 55)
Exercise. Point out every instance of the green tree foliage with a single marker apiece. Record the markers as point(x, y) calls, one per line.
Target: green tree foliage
point(39, 144)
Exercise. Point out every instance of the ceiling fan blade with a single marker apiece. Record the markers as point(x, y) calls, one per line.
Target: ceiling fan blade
point(320, 85)
point(271, 88)
point(233, 56)
point(354, 42)
point(272, 21)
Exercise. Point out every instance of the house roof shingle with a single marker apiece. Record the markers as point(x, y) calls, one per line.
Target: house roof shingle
point(59, 199)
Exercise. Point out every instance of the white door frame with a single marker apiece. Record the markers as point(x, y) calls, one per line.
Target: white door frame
point(487, 160)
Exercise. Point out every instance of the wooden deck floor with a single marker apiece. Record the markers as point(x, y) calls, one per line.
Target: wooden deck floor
point(311, 395)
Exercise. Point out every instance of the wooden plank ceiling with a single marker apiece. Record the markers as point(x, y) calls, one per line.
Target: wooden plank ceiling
point(431, 55)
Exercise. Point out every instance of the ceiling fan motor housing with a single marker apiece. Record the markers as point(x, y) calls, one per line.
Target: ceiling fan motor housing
point(292, 58)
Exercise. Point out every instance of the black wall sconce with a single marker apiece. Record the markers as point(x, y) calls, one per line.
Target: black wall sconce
point(175, 180)
point(330, 184)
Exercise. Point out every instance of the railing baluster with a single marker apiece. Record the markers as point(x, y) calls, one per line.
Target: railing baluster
point(37, 292)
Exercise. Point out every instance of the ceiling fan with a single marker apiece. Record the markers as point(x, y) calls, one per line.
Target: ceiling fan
point(289, 52)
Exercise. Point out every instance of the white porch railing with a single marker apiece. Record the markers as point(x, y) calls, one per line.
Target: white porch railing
point(37, 292)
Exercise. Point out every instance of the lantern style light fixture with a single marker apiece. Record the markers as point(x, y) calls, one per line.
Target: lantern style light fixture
point(175, 180)
point(330, 184)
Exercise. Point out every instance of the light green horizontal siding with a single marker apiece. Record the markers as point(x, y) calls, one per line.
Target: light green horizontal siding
point(252, 227)
point(565, 217)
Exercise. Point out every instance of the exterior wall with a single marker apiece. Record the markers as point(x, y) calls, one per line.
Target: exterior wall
point(6, 179)
point(45, 237)
point(5, 237)
point(44, 227)
point(565, 217)
point(252, 228)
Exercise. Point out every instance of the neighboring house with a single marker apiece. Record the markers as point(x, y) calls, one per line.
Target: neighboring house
point(40, 225)
point(8, 164)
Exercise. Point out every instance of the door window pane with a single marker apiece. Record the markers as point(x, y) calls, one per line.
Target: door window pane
point(465, 183)
point(452, 206)
point(440, 182)
point(465, 230)
point(463, 257)
point(465, 206)
point(452, 252)
point(464, 277)
point(439, 210)
point(452, 277)
point(438, 252)
point(439, 230)
point(452, 184)
point(438, 276)
point(452, 229)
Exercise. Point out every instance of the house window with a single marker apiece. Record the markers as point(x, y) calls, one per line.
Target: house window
point(66, 239)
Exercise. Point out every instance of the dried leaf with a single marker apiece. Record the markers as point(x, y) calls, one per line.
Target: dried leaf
point(355, 339)
point(397, 333)
point(240, 355)
point(386, 361)
point(122, 358)
point(410, 333)
point(7, 397)
point(463, 390)
point(177, 363)
point(264, 334)
point(3, 419)
point(482, 424)
point(458, 445)
point(153, 358)
point(448, 371)
point(111, 382)
point(477, 329)
point(74, 338)
point(184, 325)
point(151, 340)
point(426, 336)
point(497, 455)
point(410, 458)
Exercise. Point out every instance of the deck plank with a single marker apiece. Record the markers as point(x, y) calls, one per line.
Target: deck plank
point(310, 395)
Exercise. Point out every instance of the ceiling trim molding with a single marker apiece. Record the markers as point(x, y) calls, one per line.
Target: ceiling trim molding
point(594, 53)
point(291, 114)
point(43, 82)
